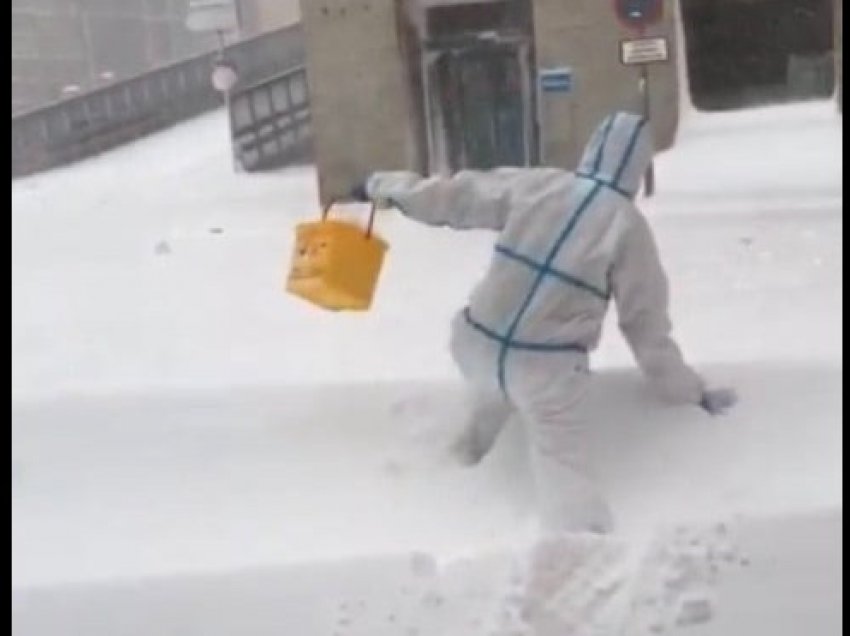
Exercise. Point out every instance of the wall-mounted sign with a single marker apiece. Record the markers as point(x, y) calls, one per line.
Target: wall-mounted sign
point(644, 51)
point(556, 80)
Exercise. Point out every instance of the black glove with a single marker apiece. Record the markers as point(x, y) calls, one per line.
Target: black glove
point(718, 401)
point(360, 193)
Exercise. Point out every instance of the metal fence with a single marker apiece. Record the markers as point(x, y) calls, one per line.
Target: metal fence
point(90, 123)
point(270, 121)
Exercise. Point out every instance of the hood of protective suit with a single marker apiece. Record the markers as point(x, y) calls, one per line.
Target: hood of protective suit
point(619, 152)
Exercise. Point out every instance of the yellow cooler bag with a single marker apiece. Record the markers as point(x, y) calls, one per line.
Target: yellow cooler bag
point(336, 263)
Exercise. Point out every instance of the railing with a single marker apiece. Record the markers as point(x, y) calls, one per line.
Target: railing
point(90, 123)
point(270, 121)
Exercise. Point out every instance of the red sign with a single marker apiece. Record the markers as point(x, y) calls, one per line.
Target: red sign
point(639, 14)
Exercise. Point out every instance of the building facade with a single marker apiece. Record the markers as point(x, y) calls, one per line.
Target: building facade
point(62, 47)
point(438, 86)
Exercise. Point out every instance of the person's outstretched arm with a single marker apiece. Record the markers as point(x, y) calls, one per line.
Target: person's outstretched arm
point(640, 291)
point(467, 200)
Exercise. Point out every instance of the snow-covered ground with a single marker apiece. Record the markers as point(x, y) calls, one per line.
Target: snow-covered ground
point(195, 452)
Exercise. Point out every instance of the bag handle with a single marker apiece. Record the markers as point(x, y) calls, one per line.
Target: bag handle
point(327, 209)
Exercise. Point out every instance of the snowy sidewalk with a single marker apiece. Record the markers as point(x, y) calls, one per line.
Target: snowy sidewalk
point(203, 454)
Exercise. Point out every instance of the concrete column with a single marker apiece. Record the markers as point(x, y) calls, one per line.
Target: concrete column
point(359, 97)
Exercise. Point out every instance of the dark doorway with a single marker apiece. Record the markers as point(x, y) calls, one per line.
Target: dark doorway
point(477, 92)
point(478, 86)
point(750, 52)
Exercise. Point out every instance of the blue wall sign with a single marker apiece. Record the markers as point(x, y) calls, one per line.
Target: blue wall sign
point(556, 80)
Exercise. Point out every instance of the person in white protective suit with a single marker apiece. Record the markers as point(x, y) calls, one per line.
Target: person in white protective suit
point(568, 243)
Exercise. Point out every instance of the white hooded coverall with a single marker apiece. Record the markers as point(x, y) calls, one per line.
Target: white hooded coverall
point(568, 243)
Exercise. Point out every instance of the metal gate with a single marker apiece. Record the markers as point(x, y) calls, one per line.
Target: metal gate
point(270, 122)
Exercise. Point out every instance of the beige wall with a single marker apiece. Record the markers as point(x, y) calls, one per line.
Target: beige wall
point(587, 38)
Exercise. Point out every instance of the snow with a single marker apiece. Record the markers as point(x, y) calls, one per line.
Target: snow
point(196, 452)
